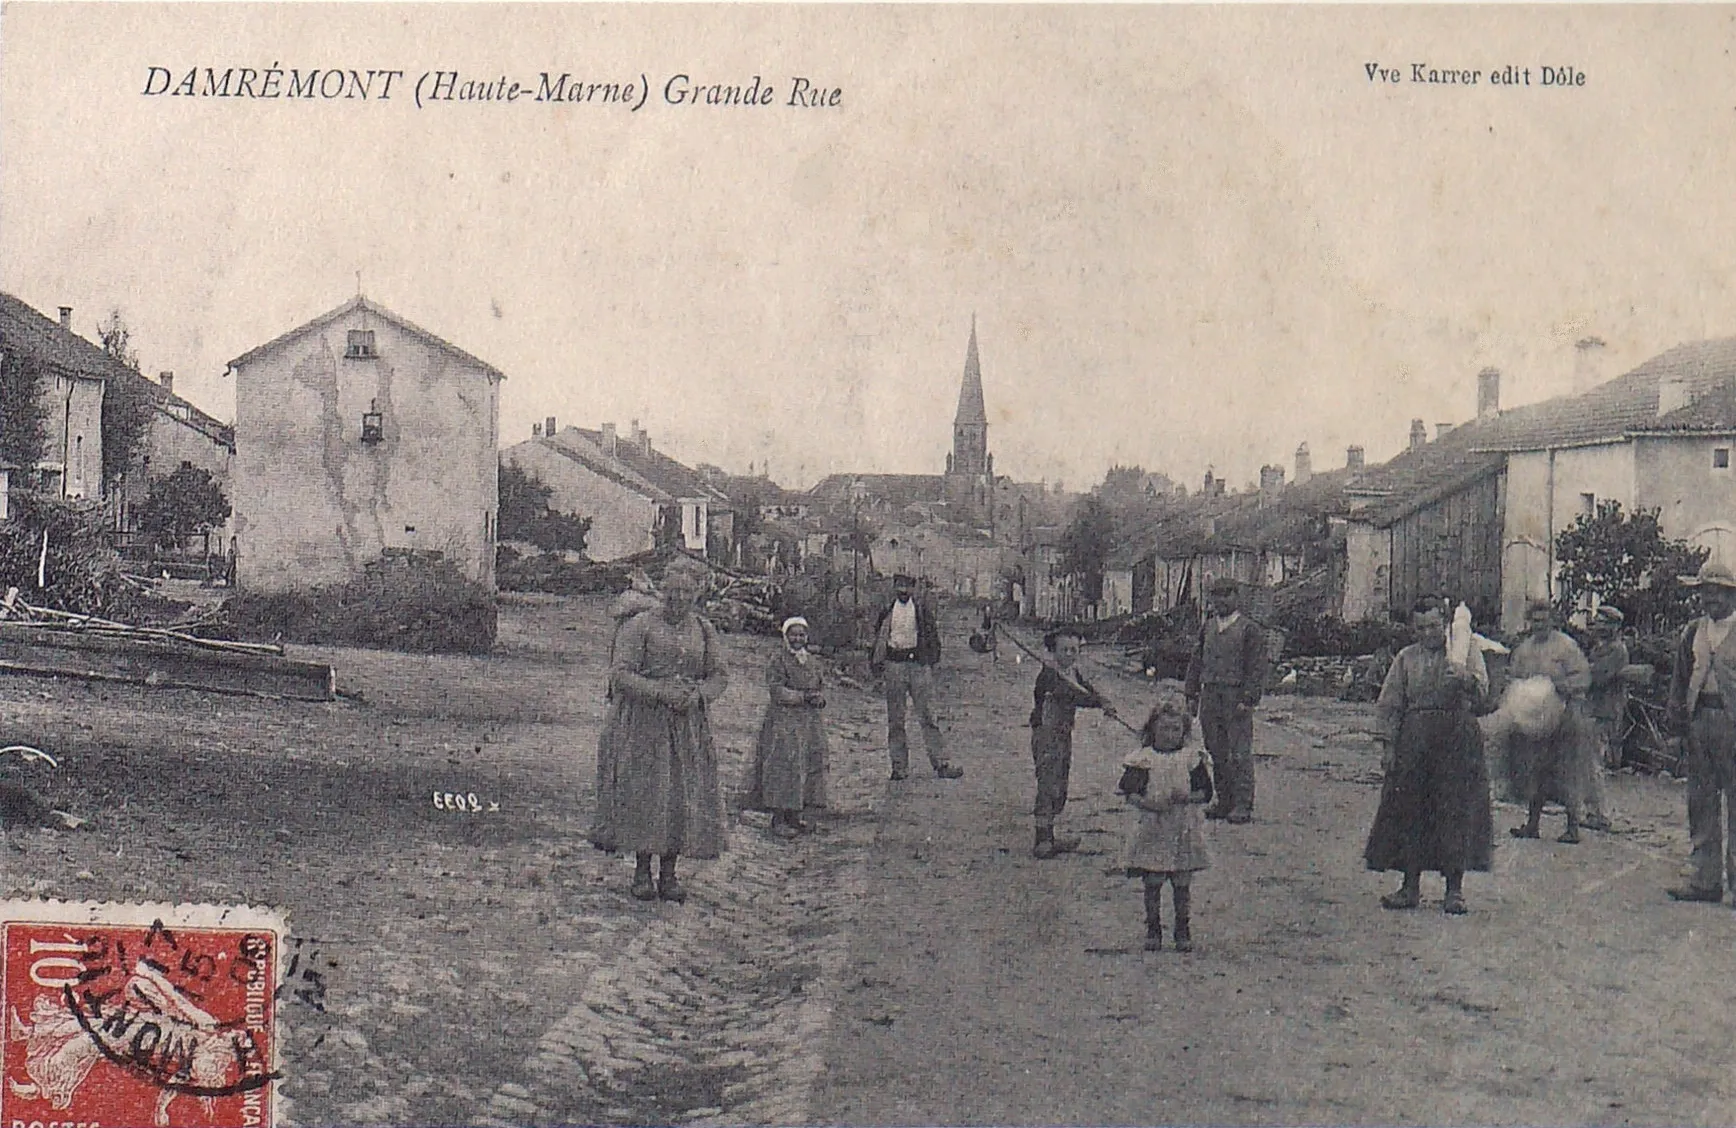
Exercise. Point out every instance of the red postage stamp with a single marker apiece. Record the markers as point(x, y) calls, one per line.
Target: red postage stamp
point(123, 1015)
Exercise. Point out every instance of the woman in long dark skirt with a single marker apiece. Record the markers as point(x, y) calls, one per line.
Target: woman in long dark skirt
point(1434, 805)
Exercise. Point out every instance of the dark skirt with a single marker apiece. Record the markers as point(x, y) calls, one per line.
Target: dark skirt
point(1435, 812)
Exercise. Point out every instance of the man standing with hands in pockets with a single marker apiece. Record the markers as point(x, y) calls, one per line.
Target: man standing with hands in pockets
point(906, 651)
point(1224, 684)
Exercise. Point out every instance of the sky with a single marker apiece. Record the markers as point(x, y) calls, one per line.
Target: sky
point(1189, 236)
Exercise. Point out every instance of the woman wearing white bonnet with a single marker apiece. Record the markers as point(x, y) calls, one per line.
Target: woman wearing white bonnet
point(788, 772)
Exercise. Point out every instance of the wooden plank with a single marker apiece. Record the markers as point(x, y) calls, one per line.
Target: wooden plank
point(165, 664)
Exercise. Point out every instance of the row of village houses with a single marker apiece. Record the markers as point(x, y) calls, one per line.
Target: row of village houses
point(358, 435)
point(1473, 510)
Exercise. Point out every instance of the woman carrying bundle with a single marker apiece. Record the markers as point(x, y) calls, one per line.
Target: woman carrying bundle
point(1434, 801)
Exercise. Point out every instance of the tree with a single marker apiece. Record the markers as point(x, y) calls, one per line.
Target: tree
point(1086, 545)
point(527, 514)
point(127, 401)
point(184, 503)
point(1625, 559)
point(23, 424)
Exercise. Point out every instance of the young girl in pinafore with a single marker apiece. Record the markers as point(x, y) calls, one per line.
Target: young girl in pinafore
point(1168, 843)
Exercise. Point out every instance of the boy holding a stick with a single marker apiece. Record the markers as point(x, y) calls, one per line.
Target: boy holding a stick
point(1060, 690)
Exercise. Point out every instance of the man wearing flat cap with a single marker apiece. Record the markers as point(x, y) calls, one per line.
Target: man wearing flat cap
point(906, 651)
point(1224, 684)
point(1702, 691)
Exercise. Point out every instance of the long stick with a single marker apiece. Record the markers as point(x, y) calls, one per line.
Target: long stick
point(1063, 674)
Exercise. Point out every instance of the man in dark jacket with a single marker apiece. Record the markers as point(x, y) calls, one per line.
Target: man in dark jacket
point(1224, 683)
point(906, 651)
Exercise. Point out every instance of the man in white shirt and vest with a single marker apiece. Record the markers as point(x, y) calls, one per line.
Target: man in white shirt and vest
point(906, 651)
point(1702, 700)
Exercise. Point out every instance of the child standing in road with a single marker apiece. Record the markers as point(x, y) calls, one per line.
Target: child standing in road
point(1060, 690)
point(1168, 843)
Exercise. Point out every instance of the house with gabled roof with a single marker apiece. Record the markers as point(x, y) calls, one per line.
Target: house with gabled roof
point(69, 400)
point(1658, 437)
point(360, 436)
point(179, 434)
point(1475, 513)
point(635, 496)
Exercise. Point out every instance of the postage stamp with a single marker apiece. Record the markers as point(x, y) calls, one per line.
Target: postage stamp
point(139, 1014)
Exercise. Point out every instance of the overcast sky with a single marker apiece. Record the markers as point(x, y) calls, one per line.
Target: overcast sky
point(1190, 236)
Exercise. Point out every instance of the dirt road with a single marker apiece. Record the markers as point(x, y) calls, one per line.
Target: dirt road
point(988, 987)
point(908, 963)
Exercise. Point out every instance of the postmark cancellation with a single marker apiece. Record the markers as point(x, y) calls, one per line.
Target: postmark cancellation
point(139, 1014)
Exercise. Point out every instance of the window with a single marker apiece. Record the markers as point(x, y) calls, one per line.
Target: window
point(1720, 458)
point(360, 345)
point(1588, 504)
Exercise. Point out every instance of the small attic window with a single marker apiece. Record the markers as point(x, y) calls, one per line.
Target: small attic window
point(361, 345)
point(1720, 458)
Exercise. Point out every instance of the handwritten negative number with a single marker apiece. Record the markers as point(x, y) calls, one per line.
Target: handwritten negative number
point(448, 801)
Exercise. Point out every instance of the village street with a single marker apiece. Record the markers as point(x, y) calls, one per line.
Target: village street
point(909, 963)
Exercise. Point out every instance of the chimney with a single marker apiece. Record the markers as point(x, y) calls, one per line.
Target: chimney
point(1586, 373)
point(536, 430)
point(1441, 429)
point(1419, 434)
point(609, 439)
point(167, 379)
point(1674, 393)
point(66, 318)
point(1304, 464)
point(1353, 458)
point(645, 443)
point(1488, 393)
point(549, 426)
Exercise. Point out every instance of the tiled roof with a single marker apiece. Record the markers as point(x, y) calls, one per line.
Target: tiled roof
point(382, 313)
point(1713, 413)
point(669, 477)
point(42, 337)
point(1612, 410)
point(898, 489)
point(1424, 474)
point(1607, 413)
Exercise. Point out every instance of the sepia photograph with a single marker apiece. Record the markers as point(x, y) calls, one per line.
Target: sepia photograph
point(866, 564)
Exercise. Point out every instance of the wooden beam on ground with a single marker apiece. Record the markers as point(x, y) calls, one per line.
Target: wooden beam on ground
point(164, 664)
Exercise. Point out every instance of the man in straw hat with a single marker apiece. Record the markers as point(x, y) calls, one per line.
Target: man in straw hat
point(1703, 677)
point(1224, 684)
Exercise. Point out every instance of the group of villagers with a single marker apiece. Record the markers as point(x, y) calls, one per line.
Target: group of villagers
point(657, 778)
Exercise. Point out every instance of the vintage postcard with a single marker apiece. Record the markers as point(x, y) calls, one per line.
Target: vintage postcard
point(866, 564)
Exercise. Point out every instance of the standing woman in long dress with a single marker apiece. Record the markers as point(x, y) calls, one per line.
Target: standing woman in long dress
point(788, 772)
point(1434, 810)
point(656, 767)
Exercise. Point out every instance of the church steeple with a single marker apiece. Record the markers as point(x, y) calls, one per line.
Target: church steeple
point(970, 426)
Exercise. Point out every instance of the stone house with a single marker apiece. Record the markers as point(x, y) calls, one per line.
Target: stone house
point(71, 393)
point(633, 493)
point(360, 436)
point(179, 434)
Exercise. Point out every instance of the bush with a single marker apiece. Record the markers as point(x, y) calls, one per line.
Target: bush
point(400, 603)
point(1324, 636)
point(1625, 559)
point(82, 572)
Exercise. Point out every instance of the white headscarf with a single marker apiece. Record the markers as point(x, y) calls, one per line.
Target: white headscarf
point(794, 621)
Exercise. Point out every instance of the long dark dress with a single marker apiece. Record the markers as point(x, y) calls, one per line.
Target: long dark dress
point(656, 767)
point(788, 770)
point(1434, 811)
